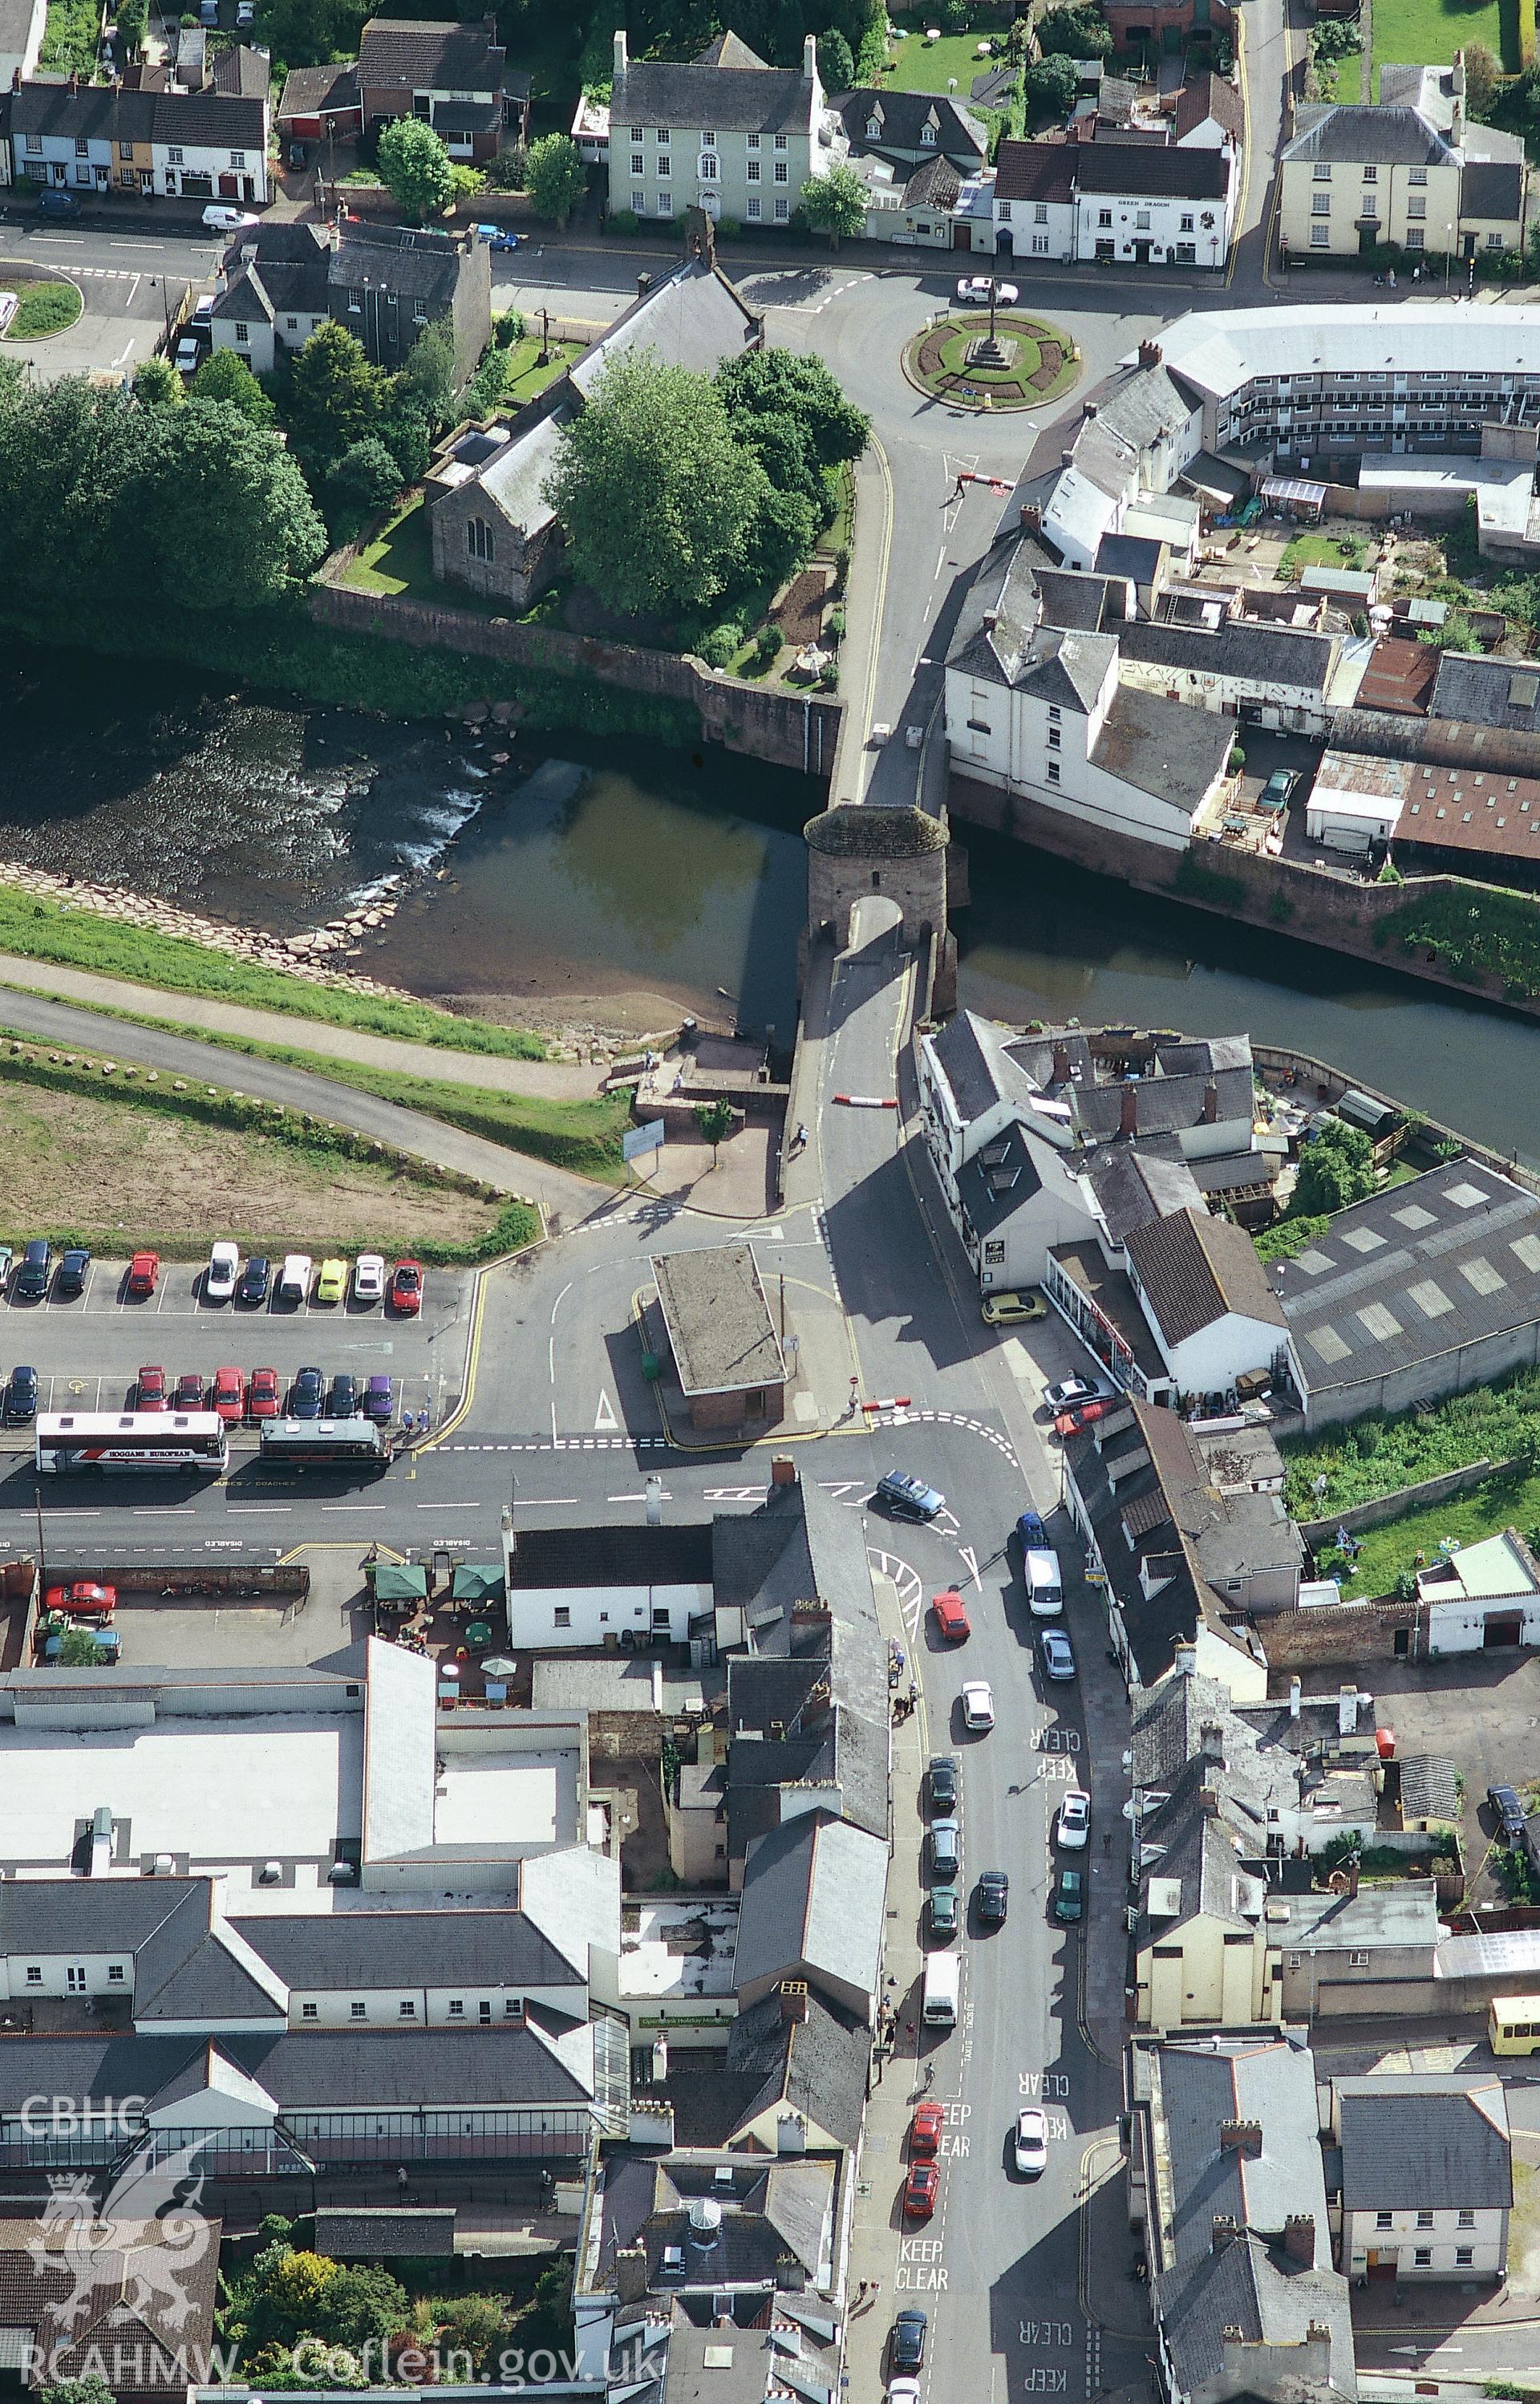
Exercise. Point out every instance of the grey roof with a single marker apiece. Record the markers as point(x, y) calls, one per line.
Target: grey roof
point(714, 1307)
point(935, 185)
point(1241, 650)
point(1402, 1915)
point(902, 119)
point(1486, 692)
point(1438, 2143)
point(71, 1915)
point(319, 92)
point(813, 1895)
point(321, 1949)
point(265, 291)
point(751, 98)
point(1137, 556)
point(1073, 599)
point(1162, 747)
point(183, 1972)
point(1412, 1275)
point(1136, 1181)
point(1204, 2083)
point(1000, 1179)
point(675, 1554)
point(111, 113)
point(364, 2233)
point(1168, 173)
point(692, 318)
point(245, 72)
point(1149, 406)
point(1068, 669)
point(513, 479)
point(1351, 135)
point(1430, 1788)
point(1195, 1270)
point(1265, 2300)
point(316, 2069)
point(819, 2066)
point(979, 1065)
point(1492, 188)
point(417, 263)
point(407, 54)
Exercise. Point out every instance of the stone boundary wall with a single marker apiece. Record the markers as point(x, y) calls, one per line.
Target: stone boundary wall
point(790, 730)
point(1383, 1507)
point(1346, 1633)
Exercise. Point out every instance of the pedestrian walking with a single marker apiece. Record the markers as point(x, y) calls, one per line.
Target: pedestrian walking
point(957, 491)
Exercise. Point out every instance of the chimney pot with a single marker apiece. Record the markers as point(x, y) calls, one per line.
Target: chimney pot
point(1031, 517)
point(1150, 355)
point(1241, 2137)
point(1061, 1064)
point(1225, 2231)
point(793, 2001)
point(1212, 1738)
point(1299, 2238)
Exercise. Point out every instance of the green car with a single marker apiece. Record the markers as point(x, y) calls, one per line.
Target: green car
point(1070, 1895)
point(945, 1911)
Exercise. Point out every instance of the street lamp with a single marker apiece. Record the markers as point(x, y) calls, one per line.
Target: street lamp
point(1448, 239)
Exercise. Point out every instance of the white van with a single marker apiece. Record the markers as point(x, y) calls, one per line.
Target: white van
point(942, 1991)
point(1044, 1585)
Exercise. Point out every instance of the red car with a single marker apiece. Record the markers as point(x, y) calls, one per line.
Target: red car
point(925, 2132)
point(151, 1391)
point(951, 1618)
point(144, 1271)
point(189, 1392)
point(919, 2191)
point(1071, 1422)
point(263, 1398)
point(406, 1287)
point(82, 1600)
point(229, 1397)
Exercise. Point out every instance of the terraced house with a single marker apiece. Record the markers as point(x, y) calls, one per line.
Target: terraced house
point(106, 138)
point(1413, 172)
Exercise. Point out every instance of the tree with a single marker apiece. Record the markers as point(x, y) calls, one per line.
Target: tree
point(76, 2391)
point(133, 25)
point(1074, 33)
point(836, 67)
point(782, 449)
point(157, 386)
point(1336, 1170)
point(335, 397)
point(409, 439)
point(365, 478)
point(1483, 79)
point(554, 176)
point(230, 518)
point(427, 379)
point(1050, 85)
point(777, 382)
point(715, 1122)
point(1456, 634)
point(834, 203)
point(413, 160)
point(654, 494)
point(782, 535)
point(225, 376)
point(465, 182)
point(79, 1650)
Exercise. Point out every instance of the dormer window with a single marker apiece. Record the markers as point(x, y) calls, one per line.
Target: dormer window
point(873, 128)
point(928, 136)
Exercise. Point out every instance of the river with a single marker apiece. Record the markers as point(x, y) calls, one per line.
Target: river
point(620, 884)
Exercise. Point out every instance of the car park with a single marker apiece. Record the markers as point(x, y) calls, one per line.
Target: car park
point(82, 1599)
point(149, 1391)
point(1070, 1896)
point(908, 2339)
point(144, 1274)
point(1071, 1391)
point(920, 2190)
point(229, 1395)
point(951, 1617)
point(1030, 2144)
point(978, 1705)
point(21, 1394)
point(1084, 1414)
point(406, 1287)
point(30, 1281)
point(252, 1285)
point(1057, 1654)
point(369, 1278)
point(907, 1498)
point(331, 1281)
point(1072, 1825)
point(224, 1267)
point(294, 1277)
point(1509, 1814)
point(189, 1392)
point(945, 1909)
point(1012, 1309)
point(74, 1270)
point(263, 1398)
point(342, 1401)
point(306, 1395)
point(925, 2131)
point(941, 1778)
point(946, 1850)
point(993, 1893)
point(380, 1399)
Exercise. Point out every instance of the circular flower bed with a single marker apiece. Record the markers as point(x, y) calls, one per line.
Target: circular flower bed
point(1039, 361)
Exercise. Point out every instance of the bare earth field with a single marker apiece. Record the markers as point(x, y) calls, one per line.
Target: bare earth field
point(101, 1169)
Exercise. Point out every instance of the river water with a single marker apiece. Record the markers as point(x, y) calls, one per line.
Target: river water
point(623, 883)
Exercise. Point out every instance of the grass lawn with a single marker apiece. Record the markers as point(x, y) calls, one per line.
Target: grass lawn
point(1429, 32)
point(1485, 1511)
point(1318, 551)
point(920, 65)
point(400, 559)
point(42, 309)
point(523, 378)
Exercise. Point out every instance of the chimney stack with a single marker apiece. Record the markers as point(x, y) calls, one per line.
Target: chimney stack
point(809, 59)
point(1184, 1661)
point(1150, 355)
point(1031, 517)
point(1129, 1111)
point(1208, 1802)
point(793, 2001)
point(1299, 2238)
point(1295, 1691)
point(1242, 2137)
point(783, 1470)
point(620, 58)
point(631, 2273)
point(1225, 2230)
point(1211, 1737)
point(1211, 1104)
point(1061, 1064)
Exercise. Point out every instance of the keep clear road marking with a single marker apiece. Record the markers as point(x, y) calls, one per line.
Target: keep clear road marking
point(604, 1418)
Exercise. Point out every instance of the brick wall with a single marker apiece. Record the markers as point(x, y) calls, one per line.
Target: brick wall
point(1346, 1633)
point(1404, 1499)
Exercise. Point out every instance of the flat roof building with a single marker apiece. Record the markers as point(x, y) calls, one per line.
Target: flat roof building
point(725, 1348)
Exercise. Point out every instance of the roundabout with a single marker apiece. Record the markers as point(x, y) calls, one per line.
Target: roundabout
point(33, 306)
point(1018, 362)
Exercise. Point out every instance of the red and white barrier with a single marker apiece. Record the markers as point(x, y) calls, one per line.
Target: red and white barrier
point(892, 1402)
point(867, 1102)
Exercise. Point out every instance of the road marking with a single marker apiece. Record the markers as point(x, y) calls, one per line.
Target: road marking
point(663, 1497)
point(452, 1506)
point(546, 1502)
point(258, 1507)
point(604, 1418)
point(352, 1506)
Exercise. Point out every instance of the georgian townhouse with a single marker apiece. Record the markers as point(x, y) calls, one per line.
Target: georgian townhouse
point(1412, 172)
point(724, 133)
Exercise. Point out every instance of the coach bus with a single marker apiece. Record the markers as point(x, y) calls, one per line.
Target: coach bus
point(113, 1441)
point(1513, 2024)
point(324, 1443)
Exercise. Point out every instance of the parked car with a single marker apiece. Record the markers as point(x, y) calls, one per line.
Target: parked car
point(1070, 1895)
point(149, 1390)
point(380, 1399)
point(245, 14)
point(1277, 791)
point(296, 154)
point(994, 1898)
point(108, 1644)
point(254, 1278)
point(342, 1401)
point(188, 354)
point(306, 1395)
point(1071, 1391)
point(498, 237)
point(978, 1705)
point(224, 1267)
point(946, 1912)
point(74, 1269)
point(294, 1277)
point(406, 1287)
point(925, 2131)
point(920, 2190)
point(1012, 1309)
point(189, 1392)
point(908, 2339)
point(144, 1274)
point(229, 1395)
point(369, 1277)
point(7, 1256)
point(331, 1282)
point(21, 1394)
point(1031, 1534)
point(82, 1599)
point(9, 303)
point(907, 1498)
point(263, 1398)
point(1029, 2145)
point(227, 220)
point(951, 1617)
point(941, 1778)
point(1509, 1812)
point(1084, 1414)
point(1073, 1827)
point(58, 204)
point(1057, 1654)
point(30, 1281)
point(945, 1848)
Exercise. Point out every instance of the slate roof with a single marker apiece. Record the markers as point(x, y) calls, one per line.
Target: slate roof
point(1355, 135)
point(1193, 1270)
point(1157, 173)
point(119, 2306)
point(110, 113)
point(738, 95)
point(1246, 652)
point(1206, 96)
point(975, 1058)
point(71, 1915)
point(1438, 2143)
point(416, 263)
point(340, 2069)
point(1073, 599)
point(1485, 691)
point(901, 117)
point(999, 1178)
point(819, 2066)
point(331, 1949)
point(242, 72)
point(1201, 2086)
point(362, 2232)
point(184, 1972)
point(677, 1554)
point(693, 318)
point(1035, 170)
point(319, 92)
point(933, 186)
point(1161, 747)
point(1492, 188)
point(1267, 2300)
point(813, 1896)
point(1135, 1182)
point(407, 54)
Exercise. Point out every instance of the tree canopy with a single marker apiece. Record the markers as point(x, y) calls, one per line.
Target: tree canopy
point(1337, 1168)
point(836, 66)
point(225, 376)
point(1050, 85)
point(336, 395)
point(789, 384)
point(554, 176)
point(413, 160)
point(835, 204)
point(1074, 31)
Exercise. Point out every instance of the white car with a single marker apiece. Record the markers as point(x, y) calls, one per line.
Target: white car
point(188, 355)
point(973, 287)
point(294, 1277)
point(1074, 1819)
point(9, 303)
point(1031, 2142)
point(245, 14)
point(978, 1704)
point(903, 2391)
point(369, 1277)
point(220, 219)
point(224, 1267)
point(1006, 295)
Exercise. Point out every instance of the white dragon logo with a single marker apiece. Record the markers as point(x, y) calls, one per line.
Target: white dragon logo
point(141, 2248)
